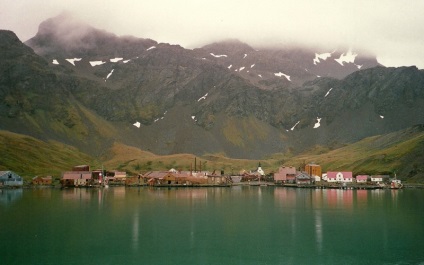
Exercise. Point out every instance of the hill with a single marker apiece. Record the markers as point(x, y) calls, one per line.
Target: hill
point(91, 89)
point(400, 152)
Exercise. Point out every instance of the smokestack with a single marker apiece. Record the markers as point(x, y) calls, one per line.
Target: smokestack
point(195, 165)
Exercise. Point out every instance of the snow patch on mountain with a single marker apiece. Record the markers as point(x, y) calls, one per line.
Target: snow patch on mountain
point(55, 61)
point(115, 60)
point(328, 92)
point(318, 123)
point(245, 55)
point(358, 66)
point(322, 56)
point(95, 63)
point(381, 116)
point(292, 128)
point(280, 74)
point(126, 61)
point(218, 56)
point(260, 76)
point(349, 57)
point(151, 48)
point(253, 65)
point(107, 77)
point(241, 68)
point(137, 124)
point(204, 97)
point(72, 61)
point(229, 67)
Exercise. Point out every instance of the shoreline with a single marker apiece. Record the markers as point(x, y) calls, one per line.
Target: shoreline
point(349, 186)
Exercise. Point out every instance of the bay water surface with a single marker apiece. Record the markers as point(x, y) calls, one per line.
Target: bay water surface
point(228, 225)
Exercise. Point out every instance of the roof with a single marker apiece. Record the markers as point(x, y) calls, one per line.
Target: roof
point(157, 174)
point(303, 176)
point(333, 174)
point(9, 175)
point(76, 175)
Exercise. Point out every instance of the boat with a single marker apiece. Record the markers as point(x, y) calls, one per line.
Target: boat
point(396, 183)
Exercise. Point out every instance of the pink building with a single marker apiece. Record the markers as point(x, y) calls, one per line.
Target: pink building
point(334, 176)
point(283, 172)
point(362, 178)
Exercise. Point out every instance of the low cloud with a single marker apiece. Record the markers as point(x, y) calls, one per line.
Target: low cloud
point(392, 31)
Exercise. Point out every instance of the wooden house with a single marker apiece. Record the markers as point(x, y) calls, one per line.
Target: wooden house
point(303, 179)
point(135, 181)
point(379, 178)
point(219, 179)
point(284, 174)
point(115, 177)
point(10, 179)
point(42, 181)
point(342, 177)
point(362, 178)
point(76, 179)
point(313, 170)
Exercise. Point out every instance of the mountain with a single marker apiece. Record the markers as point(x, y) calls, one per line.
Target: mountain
point(90, 89)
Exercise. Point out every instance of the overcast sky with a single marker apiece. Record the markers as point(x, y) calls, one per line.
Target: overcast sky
point(391, 29)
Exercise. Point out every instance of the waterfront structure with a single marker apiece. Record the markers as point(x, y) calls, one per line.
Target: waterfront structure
point(285, 174)
point(380, 178)
point(115, 177)
point(334, 176)
point(10, 179)
point(40, 181)
point(76, 179)
point(303, 179)
point(362, 178)
point(313, 170)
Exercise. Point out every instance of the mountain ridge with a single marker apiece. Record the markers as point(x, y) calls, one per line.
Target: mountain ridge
point(191, 101)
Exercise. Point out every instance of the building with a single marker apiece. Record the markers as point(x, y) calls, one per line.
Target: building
point(115, 177)
point(380, 178)
point(313, 170)
point(41, 181)
point(284, 173)
point(334, 176)
point(362, 178)
point(76, 178)
point(10, 179)
point(303, 179)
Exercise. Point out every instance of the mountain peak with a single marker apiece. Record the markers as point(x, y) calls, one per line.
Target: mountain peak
point(66, 35)
point(229, 46)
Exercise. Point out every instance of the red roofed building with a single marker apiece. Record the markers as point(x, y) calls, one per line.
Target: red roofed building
point(341, 176)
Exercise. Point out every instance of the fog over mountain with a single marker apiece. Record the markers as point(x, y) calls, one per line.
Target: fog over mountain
point(391, 30)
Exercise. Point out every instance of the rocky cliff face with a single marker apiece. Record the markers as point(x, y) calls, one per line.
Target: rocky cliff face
point(88, 87)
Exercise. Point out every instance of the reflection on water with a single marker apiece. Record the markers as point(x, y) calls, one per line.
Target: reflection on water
point(9, 196)
point(237, 225)
point(318, 230)
point(77, 194)
point(135, 228)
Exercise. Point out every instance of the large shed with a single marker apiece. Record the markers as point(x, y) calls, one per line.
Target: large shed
point(10, 179)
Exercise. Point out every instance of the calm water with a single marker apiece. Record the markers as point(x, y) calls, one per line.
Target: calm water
point(238, 225)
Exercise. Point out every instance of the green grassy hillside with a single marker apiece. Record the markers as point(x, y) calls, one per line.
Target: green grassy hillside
point(401, 152)
point(30, 157)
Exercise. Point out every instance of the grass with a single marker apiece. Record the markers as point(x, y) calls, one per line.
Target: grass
point(400, 152)
point(30, 157)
